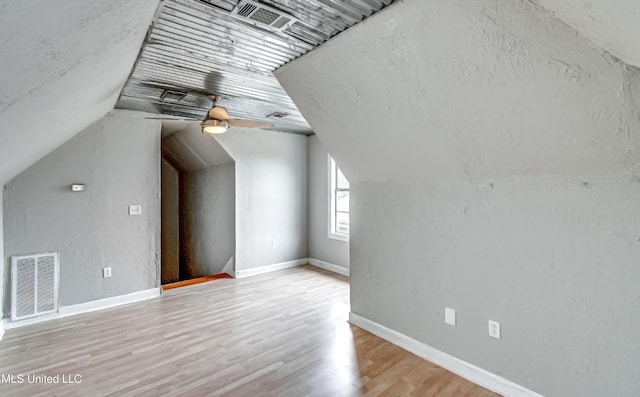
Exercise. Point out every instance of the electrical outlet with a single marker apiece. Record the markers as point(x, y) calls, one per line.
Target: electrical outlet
point(494, 329)
point(106, 272)
point(450, 316)
point(135, 209)
point(273, 246)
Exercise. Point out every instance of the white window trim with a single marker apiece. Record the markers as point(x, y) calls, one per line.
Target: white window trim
point(331, 183)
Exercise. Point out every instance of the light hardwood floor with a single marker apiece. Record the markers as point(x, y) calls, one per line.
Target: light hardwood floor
point(278, 334)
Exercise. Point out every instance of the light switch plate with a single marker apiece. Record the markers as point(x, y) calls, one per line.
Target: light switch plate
point(135, 209)
point(450, 316)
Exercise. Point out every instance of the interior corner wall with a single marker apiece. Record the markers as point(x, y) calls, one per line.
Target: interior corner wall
point(271, 196)
point(170, 224)
point(118, 160)
point(553, 259)
point(493, 155)
point(321, 247)
point(210, 215)
point(2, 261)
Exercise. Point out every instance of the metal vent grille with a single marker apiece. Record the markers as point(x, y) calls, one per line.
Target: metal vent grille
point(34, 285)
point(46, 284)
point(282, 22)
point(246, 10)
point(25, 288)
point(173, 96)
point(265, 16)
point(262, 15)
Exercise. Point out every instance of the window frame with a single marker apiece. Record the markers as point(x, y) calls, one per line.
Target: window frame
point(332, 211)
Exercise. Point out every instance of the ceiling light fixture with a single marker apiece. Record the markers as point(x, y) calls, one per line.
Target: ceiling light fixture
point(214, 126)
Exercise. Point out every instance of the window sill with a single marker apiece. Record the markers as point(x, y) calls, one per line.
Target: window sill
point(340, 237)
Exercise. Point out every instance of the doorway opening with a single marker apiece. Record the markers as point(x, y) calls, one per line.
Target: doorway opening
point(197, 208)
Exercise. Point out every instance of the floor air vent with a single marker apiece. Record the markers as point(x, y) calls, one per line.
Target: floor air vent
point(262, 15)
point(34, 285)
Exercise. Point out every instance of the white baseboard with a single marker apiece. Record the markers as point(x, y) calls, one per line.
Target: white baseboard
point(270, 268)
point(464, 369)
point(329, 266)
point(86, 307)
point(286, 265)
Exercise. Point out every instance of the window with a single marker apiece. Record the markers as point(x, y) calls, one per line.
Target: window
point(339, 203)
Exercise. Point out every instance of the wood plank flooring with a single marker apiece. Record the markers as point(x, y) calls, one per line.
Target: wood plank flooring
point(278, 334)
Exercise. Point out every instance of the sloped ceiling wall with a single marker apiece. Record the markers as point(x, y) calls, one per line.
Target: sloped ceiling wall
point(188, 149)
point(613, 25)
point(459, 89)
point(62, 66)
point(493, 154)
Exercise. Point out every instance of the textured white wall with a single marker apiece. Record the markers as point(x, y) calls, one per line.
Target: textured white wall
point(118, 159)
point(322, 247)
point(614, 26)
point(2, 261)
point(554, 259)
point(210, 241)
point(271, 195)
point(492, 153)
point(170, 223)
point(63, 64)
point(468, 89)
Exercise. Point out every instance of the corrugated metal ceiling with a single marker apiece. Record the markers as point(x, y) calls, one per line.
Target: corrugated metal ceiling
point(202, 47)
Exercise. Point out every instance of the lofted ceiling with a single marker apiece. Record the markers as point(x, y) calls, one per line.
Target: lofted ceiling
point(230, 48)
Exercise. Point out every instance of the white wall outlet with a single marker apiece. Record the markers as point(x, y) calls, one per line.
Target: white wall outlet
point(106, 272)
point(450, 316)
point(135, 209)
point(77, 187)
point(273, 246)
point(494, 329)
